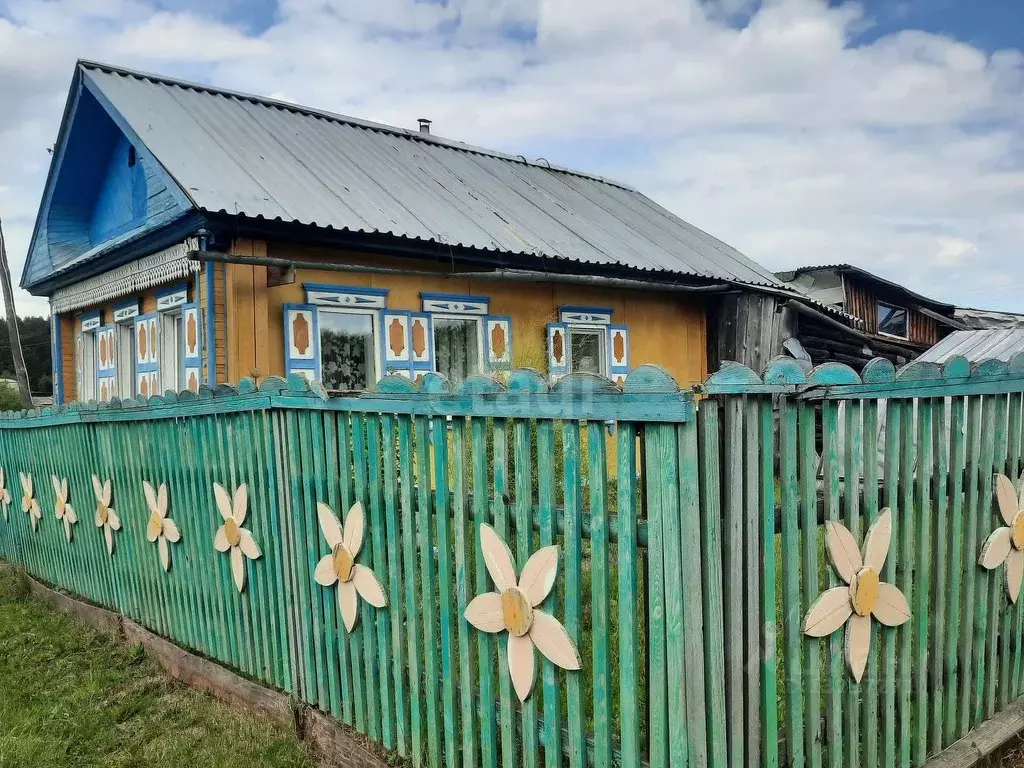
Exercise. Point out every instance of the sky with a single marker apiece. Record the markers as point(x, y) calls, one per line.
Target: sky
point(886, 133)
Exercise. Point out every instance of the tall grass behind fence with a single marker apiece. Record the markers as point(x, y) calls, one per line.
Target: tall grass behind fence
point(691, 543)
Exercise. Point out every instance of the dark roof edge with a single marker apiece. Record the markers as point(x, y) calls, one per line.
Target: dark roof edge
point(853, 269)
point(355, 122)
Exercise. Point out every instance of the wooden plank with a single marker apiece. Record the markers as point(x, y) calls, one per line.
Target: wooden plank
point(922, 578)
point(499, 511)
point(693, 602)
point(663, 454)
point(412, 596)
point(752, 572)
point(463, 535)
point(575, 714)
point(941, 526)
point(983, 522)
point(971, 544)
point(807, 477)
point(869, 702)
point(428, 583)
point(626, 556)
point(791, 607)
point(733, 565)
point(546, 482)
point(770, 631)
point(485, 643)
point(959, 562)
point(853, 461)
point(905, 580)
point(890, 574)
point(523, 465)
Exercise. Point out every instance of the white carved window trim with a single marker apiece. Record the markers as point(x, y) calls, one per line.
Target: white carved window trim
point(479, 322)
point(378, 348)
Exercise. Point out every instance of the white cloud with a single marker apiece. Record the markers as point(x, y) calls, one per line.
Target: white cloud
point(782, 138)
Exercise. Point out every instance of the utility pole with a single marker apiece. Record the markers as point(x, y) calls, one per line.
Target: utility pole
point(12, 325)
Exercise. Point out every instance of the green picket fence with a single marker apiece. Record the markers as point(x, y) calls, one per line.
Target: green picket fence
point(690, 538)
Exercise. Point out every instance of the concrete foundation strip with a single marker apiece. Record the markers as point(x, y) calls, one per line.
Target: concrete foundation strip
point(331, 743)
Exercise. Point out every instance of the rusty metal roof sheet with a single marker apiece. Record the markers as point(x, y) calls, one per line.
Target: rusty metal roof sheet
point(252, 156)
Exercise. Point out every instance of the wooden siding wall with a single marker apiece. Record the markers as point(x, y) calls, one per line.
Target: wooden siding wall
point(748, 328)
point(667, 329)
point(862, 301)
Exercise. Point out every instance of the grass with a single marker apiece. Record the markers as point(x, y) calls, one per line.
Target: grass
point(72, 697)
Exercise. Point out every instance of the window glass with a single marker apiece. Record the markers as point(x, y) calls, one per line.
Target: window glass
point(170, 346)
point(125, 361)
point(457, 347)
point(587, 351)
point(892, 320)
point(347, 356)
point(88, 364)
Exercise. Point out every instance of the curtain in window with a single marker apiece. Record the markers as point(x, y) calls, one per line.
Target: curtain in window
point(346, 350)
point(456, 347)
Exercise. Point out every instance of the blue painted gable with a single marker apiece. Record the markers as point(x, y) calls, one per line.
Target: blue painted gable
point(104, 189)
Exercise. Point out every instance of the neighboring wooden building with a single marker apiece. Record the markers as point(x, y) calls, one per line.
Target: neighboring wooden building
point(873, 317)
point(192, 236)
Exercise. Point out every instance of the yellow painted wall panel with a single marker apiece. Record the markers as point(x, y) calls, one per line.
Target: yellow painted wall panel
point(665, 328)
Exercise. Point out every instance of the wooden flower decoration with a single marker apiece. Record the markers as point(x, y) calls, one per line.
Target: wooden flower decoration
point(340, 566)
point(1006, 544)
point(513, 608)
point(106, 518)
point(231, 535)
point(62, 508)
point(5, 495)
point(161, 529)
point(863, 596)
point(28, 503)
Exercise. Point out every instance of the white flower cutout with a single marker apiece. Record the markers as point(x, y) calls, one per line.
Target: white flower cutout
point(863, 596)
point(28, 503)
point(1006, 544)
point(340, 566)
point(106, 518)
point(231, 535)
point(513, 609)
point(160, 529)
point(62, 508)
point(5, 495)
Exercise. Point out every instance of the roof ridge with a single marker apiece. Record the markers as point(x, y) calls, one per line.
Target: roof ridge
point(355, 122)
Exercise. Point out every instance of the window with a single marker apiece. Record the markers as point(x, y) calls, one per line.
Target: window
point(892, 320)
point(87, 366)
point(170, 350)
point(457, 350)
point(125, 361)
point(348, 352)
point(587, 353)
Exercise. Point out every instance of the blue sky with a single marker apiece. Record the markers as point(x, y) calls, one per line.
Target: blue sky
point(887, 133)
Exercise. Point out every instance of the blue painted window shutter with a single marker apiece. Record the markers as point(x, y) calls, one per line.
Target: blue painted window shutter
point(147, 355)
point(558, 348)
point(618, 353)
point(421, 343)
point(498, 342)
point(302, 341)
point(192, 345)
point(395, 328)
point(106, 363)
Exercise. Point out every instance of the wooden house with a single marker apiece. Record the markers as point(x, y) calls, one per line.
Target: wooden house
point(871, 316)
point(194, 236)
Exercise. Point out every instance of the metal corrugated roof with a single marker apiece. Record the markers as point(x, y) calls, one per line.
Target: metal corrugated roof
point(251, 156)
point(990, 344)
